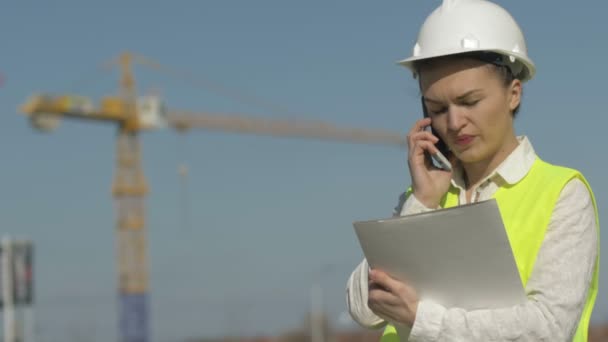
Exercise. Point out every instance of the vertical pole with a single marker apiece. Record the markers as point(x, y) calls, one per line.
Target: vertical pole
point(316, 312)
point(29, 324)
point(7, 292)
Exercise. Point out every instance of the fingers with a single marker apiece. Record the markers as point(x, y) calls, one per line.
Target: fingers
point(422, 146)
point(373, 286)
point(419, 140)
point(391, 299)
point(420, 125)
point(417, 156)
point(378, 299)
point(383, 280)
point(381, 300)
point(422, 135)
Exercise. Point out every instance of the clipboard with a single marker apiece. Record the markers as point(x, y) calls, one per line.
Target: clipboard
point(457, 257)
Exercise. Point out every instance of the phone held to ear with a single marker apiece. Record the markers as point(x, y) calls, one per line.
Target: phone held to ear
point(438, 159)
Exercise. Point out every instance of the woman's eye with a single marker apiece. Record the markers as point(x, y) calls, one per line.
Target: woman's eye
point(470, 103)
point(439, 111)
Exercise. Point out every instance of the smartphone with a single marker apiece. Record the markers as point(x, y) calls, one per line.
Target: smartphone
point(439, 159)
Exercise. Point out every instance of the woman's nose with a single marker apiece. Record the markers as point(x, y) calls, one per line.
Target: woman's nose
point(456, 118)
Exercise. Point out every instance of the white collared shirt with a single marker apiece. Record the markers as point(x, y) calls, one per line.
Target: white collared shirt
point(557, 288)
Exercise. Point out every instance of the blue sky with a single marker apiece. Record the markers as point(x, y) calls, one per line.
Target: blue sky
point(266, 215)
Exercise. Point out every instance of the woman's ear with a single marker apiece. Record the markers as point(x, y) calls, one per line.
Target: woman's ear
point(514, 94)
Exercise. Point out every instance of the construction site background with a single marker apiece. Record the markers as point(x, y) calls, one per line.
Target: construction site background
point(597, 333)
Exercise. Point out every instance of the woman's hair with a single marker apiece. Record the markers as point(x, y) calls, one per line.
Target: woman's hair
point(493, 60)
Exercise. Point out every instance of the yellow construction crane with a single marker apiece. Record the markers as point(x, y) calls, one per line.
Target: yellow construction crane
point(133, 115)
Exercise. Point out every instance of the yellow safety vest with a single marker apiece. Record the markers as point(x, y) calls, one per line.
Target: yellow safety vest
point(526, 208)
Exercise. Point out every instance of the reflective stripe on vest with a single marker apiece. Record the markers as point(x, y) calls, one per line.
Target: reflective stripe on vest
point(526, 209)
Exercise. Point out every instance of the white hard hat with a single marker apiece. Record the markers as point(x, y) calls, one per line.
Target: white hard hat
point(461, 26)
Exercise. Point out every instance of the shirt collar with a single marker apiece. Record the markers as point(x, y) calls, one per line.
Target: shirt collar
point(511, 170)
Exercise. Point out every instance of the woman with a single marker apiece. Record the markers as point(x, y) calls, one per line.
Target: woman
point(471, 62)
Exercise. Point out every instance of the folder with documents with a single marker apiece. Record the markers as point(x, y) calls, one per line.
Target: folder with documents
point(457, 257)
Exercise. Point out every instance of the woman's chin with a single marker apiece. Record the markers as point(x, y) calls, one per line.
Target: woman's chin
point(468, 157)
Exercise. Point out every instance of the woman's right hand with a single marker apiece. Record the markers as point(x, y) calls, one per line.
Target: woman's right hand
point(429, 183)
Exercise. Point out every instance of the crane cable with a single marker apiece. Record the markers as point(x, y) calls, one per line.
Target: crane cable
point(239, 96)
point(91, 76)
point(183, 172)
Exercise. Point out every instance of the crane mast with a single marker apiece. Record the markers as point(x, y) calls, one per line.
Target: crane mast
point(129, 190)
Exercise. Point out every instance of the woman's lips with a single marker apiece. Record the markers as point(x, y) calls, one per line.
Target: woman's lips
point(463, 140)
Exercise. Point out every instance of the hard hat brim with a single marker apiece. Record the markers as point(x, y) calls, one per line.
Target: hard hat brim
point(526, 61)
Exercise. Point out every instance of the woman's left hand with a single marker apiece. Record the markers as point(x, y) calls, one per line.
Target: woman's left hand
point(393, 300)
